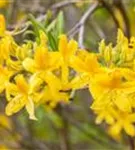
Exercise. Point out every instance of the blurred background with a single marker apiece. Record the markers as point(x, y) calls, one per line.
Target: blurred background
point(67, 127)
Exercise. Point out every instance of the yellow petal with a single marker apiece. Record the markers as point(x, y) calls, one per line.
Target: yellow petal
point(15, 105)
point(109, 119)
point(131, 117)
point(29, 65)
point(72, 47)
point(54, 60)
point(21, 84)
point(123, 102)
point(2, 24)
point(80, 81)
point(100, 118)
point(63, 43)
point(30, 109)
point(77, 64)
point(64, 74)
point(46, 95)
point(115, 129)
point(41, 57)
point(43, 38)
point(53, 81)
point(129, 129)
point(11, 90)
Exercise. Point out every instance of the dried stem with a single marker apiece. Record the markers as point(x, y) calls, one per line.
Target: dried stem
point(84, 17)
point(81, 37)
point(131, 143)
point(63, 3)
point(80, 25)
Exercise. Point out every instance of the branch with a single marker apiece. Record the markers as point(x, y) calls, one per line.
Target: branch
point(63, 3)
point(81, 22)
point(81, 37)
point(131, 143)
point(110, 10)
point(120, 6)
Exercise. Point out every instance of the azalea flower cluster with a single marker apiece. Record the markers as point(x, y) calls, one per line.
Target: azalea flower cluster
point(32, 74)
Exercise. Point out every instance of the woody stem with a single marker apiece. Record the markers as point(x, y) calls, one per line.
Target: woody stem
point(131, 143)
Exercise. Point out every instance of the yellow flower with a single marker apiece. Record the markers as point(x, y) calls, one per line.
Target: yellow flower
point(19, 96)
point(67, 50)
point(7, 48)
point(87, 66)
point(16, 56)
point(43, 60)
point(42, 65)
point(87, 63)
point(121, 55)
point(111, 88)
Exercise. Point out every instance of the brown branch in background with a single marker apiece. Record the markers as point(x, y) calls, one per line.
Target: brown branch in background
point(111, 12)
point(120, 6)
point(131, 143)
point(81, 37)
point(64, 3)
point(82, 22)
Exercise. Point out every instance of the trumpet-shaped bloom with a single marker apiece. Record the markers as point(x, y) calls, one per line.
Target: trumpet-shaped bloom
point(112, 88)
point(87, 66)
point(19, 96)
point(67, 50)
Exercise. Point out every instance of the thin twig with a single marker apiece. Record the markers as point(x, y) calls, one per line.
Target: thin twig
point(68, 2)
point(63, 3)
point(83, 19)
point(81, 37)
point(131, 143)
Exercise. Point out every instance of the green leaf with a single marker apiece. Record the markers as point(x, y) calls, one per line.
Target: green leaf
point(60, 23)
point(37, 25)
point(48, 18)
point(52, 42)
point(51, 26)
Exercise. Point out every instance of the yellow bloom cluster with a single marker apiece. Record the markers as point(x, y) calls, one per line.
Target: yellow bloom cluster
point(32, 74)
